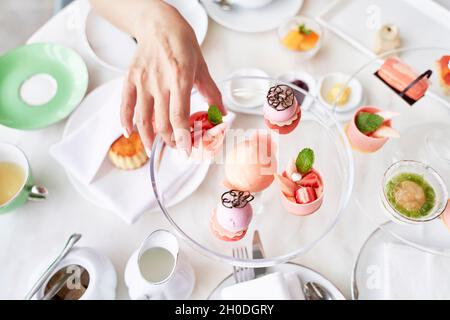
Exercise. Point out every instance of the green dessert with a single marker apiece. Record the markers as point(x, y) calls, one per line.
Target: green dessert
point(410, 195)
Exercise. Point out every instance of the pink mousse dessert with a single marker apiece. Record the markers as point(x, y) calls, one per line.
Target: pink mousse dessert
point(251, 164)
point(302, 186)
point(281, 109)
point(371, 128)
point(231, 218)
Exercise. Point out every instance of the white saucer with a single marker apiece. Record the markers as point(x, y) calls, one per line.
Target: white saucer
point(304, 273)
point(92, 103)
point(114, 49)
point(254, 20)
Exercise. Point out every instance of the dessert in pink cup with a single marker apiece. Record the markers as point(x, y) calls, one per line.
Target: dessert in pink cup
point(251, 164)
point(231, 218)
point(371, 128)
point(281, 109)
point(302, 187)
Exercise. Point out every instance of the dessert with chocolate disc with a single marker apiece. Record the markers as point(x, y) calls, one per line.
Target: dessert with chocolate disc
point(231, 218)
point(281, 109)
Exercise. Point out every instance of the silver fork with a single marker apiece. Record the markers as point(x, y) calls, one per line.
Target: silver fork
point(242, 274)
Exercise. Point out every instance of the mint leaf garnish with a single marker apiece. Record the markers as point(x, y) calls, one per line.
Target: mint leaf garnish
point(303, 30)
point(214, 115)
point(305, 161)
point(368, 122)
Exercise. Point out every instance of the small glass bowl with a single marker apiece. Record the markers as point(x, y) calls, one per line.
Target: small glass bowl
point(429, 175)
point(293, 24)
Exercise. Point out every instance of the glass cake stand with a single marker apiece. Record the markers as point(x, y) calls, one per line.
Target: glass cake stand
point(284, 235)
point(425, 137)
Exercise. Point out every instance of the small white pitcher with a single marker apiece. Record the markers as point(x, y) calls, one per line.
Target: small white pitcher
point(177, 285)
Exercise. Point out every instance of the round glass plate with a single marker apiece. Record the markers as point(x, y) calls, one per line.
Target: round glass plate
point(286, 236)
point(388, 268)
point(304, 273)
point(423, 127)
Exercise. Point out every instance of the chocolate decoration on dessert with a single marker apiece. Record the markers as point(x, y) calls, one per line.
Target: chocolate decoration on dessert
point(236, 199)
point(280, 97)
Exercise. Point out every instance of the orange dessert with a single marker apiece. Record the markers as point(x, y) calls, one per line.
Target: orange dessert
point(443, 66)
point(301, 39)
point(128, 154)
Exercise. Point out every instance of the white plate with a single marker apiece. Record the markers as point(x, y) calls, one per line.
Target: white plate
point(92, 103)
point(304, 273)
point(371, 267)
point(254, 20)
point(114, 49)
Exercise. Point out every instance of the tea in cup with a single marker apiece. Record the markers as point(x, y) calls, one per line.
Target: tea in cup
point(16, 181)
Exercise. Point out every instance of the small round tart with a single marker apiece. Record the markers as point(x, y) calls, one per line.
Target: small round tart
point(287, 127)
point(223, 234)
point(411, 195)
point(128, 154)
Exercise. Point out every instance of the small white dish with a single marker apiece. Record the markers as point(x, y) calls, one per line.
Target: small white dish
point(304, 273)
point(250, 4)
point(114, 49)
point(356, 96)
point(245, 96)
point(293, 24)
point(308, 79)
point(263, 19)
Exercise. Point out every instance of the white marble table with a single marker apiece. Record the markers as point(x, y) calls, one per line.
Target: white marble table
point(38, 230)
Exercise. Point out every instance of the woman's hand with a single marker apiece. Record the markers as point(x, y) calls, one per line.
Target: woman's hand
point(168, 63)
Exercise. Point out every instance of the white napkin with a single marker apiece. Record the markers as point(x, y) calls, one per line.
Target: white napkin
point(275, 286)
point(128, 193)
point(413, 274)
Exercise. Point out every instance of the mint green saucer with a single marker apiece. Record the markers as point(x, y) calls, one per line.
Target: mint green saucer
point(60, 80)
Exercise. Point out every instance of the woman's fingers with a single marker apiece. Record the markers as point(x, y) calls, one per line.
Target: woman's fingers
point(128, 106)
point(162, 117)
point(144, 115)
point(208, 89)
point(180, 106)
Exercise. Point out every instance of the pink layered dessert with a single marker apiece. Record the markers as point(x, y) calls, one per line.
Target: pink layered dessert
point(367, 140)
point(281, 109)
point(400, 76)
point(231, 218)
point(251, 164)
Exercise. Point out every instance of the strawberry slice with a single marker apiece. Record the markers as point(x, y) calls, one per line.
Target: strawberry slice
point(287, 186)
point(310, 180)
point(199, 124)
point(305, 195)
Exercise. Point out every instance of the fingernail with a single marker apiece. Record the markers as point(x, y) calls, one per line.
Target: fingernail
point(125, 133)
point(148, 151)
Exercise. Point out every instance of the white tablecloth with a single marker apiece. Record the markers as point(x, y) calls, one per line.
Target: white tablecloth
point(30, 234)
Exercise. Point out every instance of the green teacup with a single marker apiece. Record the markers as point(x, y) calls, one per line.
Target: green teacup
point(12, 158)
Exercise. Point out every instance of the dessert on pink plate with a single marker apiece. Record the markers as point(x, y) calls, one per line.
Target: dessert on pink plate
point(251, 164)
point(281, 109)
point(207, 133)
point(231, 218)
point(371, 128)
point(302, 187)
point(404, 80)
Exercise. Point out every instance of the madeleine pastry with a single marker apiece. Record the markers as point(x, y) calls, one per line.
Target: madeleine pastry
point(128, 154)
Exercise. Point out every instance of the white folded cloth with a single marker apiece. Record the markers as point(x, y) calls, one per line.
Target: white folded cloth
point(412, 274)
point(275, 286)
point(128, 193)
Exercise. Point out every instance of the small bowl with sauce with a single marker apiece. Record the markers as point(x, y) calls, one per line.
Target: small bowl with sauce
point(413, 192)
point(305, 82)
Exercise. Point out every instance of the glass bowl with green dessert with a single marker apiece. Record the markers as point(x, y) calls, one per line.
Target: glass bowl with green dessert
point(413, 192)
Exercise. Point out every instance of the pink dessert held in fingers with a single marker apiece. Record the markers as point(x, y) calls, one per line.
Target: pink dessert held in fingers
point(371, 128)
point(231, 218)
point(281, 109)
point(207, 133)
point(251, 164)
point(302, 187)
point(404, 80)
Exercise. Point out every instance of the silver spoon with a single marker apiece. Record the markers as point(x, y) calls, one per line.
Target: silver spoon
point(69, 245)
point(314, 291)
point(223, 4)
